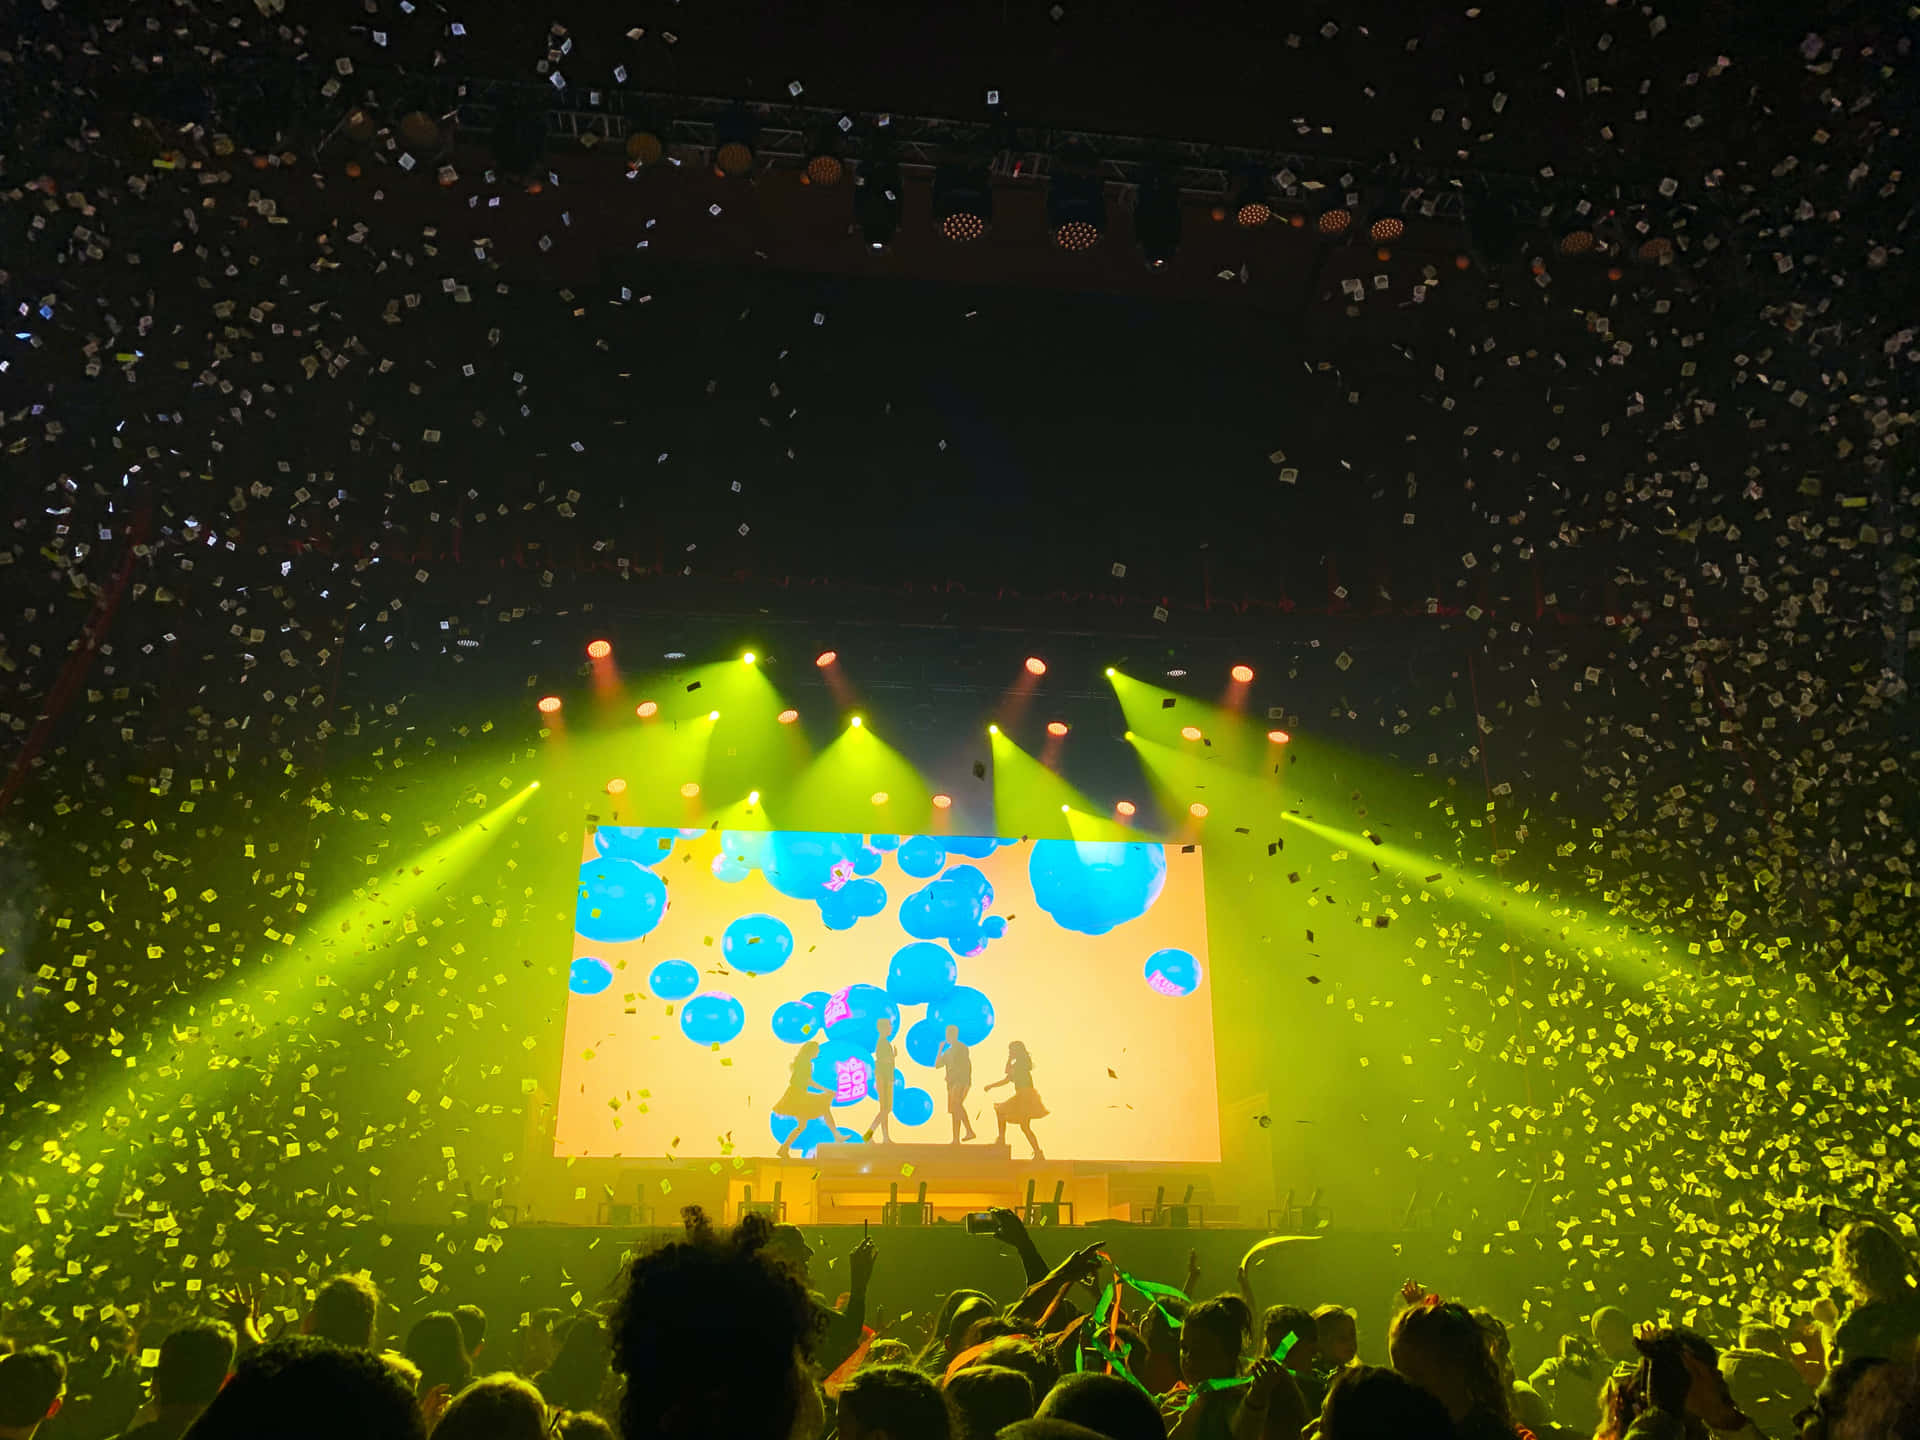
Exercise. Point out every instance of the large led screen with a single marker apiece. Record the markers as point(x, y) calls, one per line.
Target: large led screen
point(731, 991)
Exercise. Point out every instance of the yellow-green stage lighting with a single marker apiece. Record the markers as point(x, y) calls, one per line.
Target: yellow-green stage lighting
point(713, 715)
point(753, 797)
point(855, 722)
point(1111, 672)
point(993, 729)
point(747, 659)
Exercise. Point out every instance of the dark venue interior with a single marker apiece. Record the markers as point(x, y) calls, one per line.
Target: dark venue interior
point(1329, 588)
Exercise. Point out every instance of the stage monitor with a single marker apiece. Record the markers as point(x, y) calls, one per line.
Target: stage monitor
point(729, 992)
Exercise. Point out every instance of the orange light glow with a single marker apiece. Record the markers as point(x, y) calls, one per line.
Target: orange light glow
point(1036, 666)
point(599, 650)
point(1243, 673)
point(1278, 737)
point(1197, 810)
point(1125, 807)
point(646, 709)
point(943, 802)
point(1056, 727)
point(826, 658)
point(549, 704)
point(690, 789)
point(616, 786)
point(787, 717)
point(1190, 732)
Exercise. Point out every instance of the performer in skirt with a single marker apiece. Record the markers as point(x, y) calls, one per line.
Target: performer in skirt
point(1025, 1106)
point(802, 1102)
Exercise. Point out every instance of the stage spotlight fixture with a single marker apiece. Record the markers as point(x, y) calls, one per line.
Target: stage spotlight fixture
point(1176, 674)
point(880, 797)
point(856, 722)
point(1125, 807)
point(1126, 735)
point(1655, 250)
point(599, 650)
point(616, 786)
point(1189, 732)
point(549, 704)
point(748, 658)
point(1056, 727)
point(420, 129)
point(826, 658)
point(690, 789)
point(753, 797)
point(1197, 810)
point(1036, 666)
point(646, 709)
point(1278, 737)
point(993, 729)
point(645, 148)
point(1066, 809)
point(1242, 673)
point(962, 201)
point(1334, 217)
point(943, 802)
point(1578, 240)
point(1251, 209)
point(733, 136)
point(1157, 218)
point(824, 165)
point(787, 717)
point(876, 202)
point(1076, 210)
point(1111, 672)
point(1387, 228)
point(713, 714)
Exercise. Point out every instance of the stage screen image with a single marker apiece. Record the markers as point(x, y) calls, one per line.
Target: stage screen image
point(723, 980)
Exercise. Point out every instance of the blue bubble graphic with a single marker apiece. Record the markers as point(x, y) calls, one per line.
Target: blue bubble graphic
point(924, 1039)
point(853, 901)
point(757, 944)
point(954, 908)
point(884, 842)
point(912, 1105)
point(588, 976)
point(922, 857)
point(712, 1019)
point(796, 1022)
point(826, 867)
point(1173, 972)
point(967, 1008)
point(920, 973)
point(741, 853)
point(1091, 886)
point(618, 900)
point(643, 844)
point(673, 980)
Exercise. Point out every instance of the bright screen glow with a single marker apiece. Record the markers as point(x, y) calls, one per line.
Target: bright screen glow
point(705, 962)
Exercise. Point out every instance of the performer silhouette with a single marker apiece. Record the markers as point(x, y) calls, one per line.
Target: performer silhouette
point(801, 1102)
point(1024, 1106)
point(883, 1081)
point(957, 1060)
